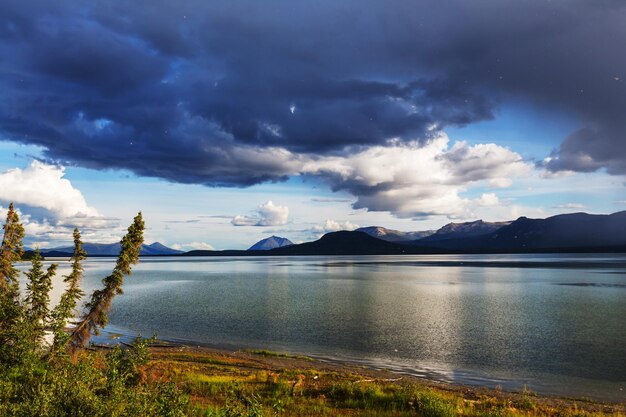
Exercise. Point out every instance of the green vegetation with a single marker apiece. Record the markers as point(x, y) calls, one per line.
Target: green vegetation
point(264, 352)
point(226, 385)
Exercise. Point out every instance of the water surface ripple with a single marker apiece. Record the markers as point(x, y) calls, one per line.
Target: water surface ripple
point(555, 323)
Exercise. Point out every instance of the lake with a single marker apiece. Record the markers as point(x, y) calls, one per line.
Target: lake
point(555, 323)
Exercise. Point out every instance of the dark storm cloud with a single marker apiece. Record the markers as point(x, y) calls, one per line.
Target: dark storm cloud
point(223, 93)
point(589, 149)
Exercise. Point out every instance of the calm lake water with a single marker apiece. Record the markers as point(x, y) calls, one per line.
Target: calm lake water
point(556, 323)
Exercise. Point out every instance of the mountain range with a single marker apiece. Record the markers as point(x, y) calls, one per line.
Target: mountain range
point(464, 230)
point(111, 249)
point(391, 235)
point(347, 243)
point(449, 231)
point(577, 232)
point(564, 232)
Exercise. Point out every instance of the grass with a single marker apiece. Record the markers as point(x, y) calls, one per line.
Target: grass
point(271, 353)
point(223, 386)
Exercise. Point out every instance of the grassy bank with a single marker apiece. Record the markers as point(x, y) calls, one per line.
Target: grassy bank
point(266, 383)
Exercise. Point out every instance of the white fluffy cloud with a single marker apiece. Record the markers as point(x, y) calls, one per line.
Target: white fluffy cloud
point(569, 206)
point(488, 200)
point(409, 180)
point(50, 207)
point(41, 185)
point(192, 246)
point(267, 214)
point(332, 226)
point(415, 180)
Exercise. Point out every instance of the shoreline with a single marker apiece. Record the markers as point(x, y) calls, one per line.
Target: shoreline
point(275, 360)
point(213, 363)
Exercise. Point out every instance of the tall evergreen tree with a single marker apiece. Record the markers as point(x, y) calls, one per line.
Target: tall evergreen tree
point(100, 303)
point(64, 311)
point(38, 296)
point(11, 312)
point(11, 252)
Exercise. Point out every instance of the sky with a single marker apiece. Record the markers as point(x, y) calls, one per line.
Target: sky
point(225, 122)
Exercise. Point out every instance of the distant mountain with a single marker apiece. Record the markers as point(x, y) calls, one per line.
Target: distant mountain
point(449, 231)
point(55, 254)
point(349, 243)
point(464, 230)
point(577, 232)
point(157, 248)
point(227, 252)
point(271, 242)
point(563, 231)
point(391, 235)
point(335, 243)
point(111, 249)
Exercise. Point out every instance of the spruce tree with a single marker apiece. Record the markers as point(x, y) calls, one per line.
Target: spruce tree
point(38, 296)
point(23, 322)
point(11, 312)
point(97, 308)
point(11, 252)
point(64, 311)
